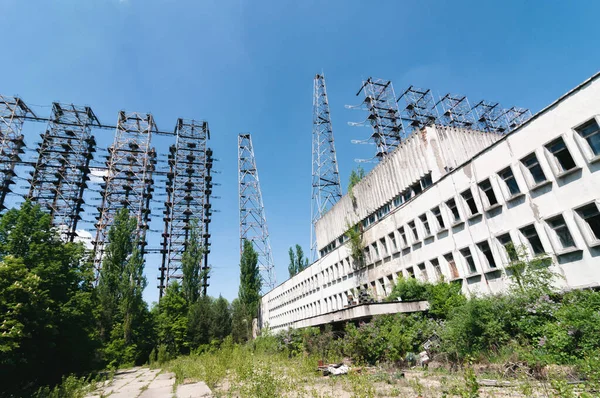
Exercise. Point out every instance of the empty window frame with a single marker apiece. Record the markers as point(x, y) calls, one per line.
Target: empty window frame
point(470, 201)
point(435, 264)
point(488, 190)
point(393, 243)
point(410, 272)
point(413, 228)
point(468, 256)
point(402, 233)
point(453, 210)
point(511, 251)
point(559, 156)
point(535, 244)
point(384, 249)
point(437, 214)
point(426, 181)
point(560, 232)
point(590, 217)
point(376, 252)
point(451, 265)
point(590, 133)
point(423, 272)
point(416, 188)
point(534, 169)
point(486, 250)
point(425, 222)
point(509, 179)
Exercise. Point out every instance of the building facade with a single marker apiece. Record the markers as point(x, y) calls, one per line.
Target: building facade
point(449, 201)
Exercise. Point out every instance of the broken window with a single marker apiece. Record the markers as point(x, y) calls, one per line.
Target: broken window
point(423, 272)
point(535, 170)
point(590, 132)
point(488, 190)
point(508, 245)
point(438, 216)
point(466, 253)
point(392, 237)
point(530, 233)
point(591, 216)
point(561, 231)
point(423, 218)
point(435, 263)
point(560, 154)
point(486, 250)
point(452, 265)
point(472, 206)
point(454, 209)
point(509, 179)
point(413, 228)
point(403, 236)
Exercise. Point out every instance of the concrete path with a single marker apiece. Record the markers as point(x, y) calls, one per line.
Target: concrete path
point(148, 383)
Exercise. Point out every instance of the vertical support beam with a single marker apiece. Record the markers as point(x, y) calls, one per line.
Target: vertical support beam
point(253, 221)
point(207, 217)
point(60, 176)
point(187, 187)
point(128, 181)
point(326, 186)
point(12, 113)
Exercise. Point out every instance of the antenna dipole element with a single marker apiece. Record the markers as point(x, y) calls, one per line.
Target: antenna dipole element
point(326, 187)
point(253, 222)
point(384, 116)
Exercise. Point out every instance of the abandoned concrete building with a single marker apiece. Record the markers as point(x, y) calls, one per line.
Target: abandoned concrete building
point(448, 202)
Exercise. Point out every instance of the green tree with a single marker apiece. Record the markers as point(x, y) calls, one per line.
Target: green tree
point(124, 314)
point(240, 328)
point(297, 261)
point(221, 319)
point(199, 322)
point(250, 282)
point(355, 177)
point(191, 263)
point(172, 320)
point(46, 301)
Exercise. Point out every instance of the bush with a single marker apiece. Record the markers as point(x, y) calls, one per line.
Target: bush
point(408, 289)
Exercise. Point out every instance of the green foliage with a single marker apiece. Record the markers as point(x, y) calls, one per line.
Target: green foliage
point(191, 263)
point(408, 289)
point(171, 316)
point(250, 281)
point(46, 301)
point(297, 261)
point(355, 177)
point(220, 326)
point(357, 247)
point(240, 322)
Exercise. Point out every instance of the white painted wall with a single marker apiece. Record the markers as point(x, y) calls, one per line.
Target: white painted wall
point(324, 286)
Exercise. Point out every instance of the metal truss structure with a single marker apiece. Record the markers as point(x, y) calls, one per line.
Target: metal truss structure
point(455, 111)
point(128, 180)
point(516, 117)
point(59, 178)
point(490, 117)
point(384, 116)
point(326, 186)
point(253, 222)
point(188, 187)
point(12, 114)
point(419, 108)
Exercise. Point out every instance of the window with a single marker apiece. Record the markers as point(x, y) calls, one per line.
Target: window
point(438, 216)
point(376, 251)
point(423, 218)
point(411, 272)
point(590, 132)
point(423, 272)
point(530, 233)
point(535, 170)
point(451, 265)
point(435, 263)
point(367, 255)
point(509, 246)
point(413, 228)
point(488, 190)
point(403, 236)
point(468, 197)
point(392, 237)
point(560, 155)
point(426, 181)
point(486, 250)
point(398, 200)
point(416, 188)
point(510, 181)
point(406, 195)
point(591, 216)
point(561, 232)
point(454, 209)
point(466, 253)
point(384, 248)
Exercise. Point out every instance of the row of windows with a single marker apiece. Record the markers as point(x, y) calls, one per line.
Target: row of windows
point(378, 214)
point(559, 157)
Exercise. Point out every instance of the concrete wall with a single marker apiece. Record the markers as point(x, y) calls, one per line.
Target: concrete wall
point(324, 286)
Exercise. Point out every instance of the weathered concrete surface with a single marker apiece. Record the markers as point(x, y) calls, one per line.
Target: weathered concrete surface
point(195, 390)
point(148, 383)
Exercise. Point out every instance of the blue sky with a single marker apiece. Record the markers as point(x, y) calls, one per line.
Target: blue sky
point(248, 67)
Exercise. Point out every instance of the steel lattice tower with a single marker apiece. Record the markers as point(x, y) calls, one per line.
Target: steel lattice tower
point(12, 113)
point(516, 117)
point(419, 110)
point(128, 181)
point(455, 111)
point(326, 187)
point(490, 117)
point(384, 116)
point(62, 169)
point(253, 222)
point(188, 189)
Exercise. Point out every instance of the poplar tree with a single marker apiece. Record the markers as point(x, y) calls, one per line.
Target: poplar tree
point(250, 283)
point(191, 263)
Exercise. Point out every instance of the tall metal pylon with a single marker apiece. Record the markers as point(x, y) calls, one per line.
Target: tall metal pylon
point(253, 222)
point(128, 180)
point(419, 108)
point(326, 186)
point(61, 172)
point(12, 114)
point(188, 190)
point(384, 116)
